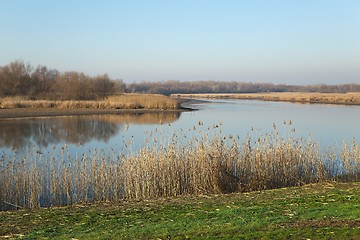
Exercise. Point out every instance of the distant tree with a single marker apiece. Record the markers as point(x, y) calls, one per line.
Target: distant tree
point(78, 86)
point(73, 85)
point(44, 79)
point(142, 87)
point(16, 79)
point(102, 86)
point(2, 93)
point(119, 86)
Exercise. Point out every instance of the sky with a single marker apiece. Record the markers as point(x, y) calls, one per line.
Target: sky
point(272, 41)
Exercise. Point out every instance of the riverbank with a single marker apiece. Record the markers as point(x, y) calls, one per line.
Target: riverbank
point(209, 165)
point(300, 97)
point(128, 103)
point(315, 211)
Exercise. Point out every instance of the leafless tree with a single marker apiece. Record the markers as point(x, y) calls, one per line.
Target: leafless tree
point(15, 79)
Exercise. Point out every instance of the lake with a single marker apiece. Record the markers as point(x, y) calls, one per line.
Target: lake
point(329, 125)
point(56, 161)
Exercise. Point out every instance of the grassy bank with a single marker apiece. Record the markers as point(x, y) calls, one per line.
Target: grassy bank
point(203, 162)
point(123, 101)
point(309, 97)
point(316, 211)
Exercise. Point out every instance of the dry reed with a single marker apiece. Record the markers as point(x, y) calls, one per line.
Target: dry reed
point(123, 101)
point(188, 163)
point(308, 97)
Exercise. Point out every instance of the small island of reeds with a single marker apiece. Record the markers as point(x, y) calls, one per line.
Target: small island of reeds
point(25, 107)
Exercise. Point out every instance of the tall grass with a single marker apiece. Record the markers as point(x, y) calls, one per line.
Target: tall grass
point(123, 101)
point(187, 163)
point(303, 97)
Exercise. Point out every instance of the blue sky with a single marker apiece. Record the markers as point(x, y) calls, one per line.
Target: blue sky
point(278, 41)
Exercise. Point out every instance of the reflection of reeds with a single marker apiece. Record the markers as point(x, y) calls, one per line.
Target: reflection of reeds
point(124, 101)
point(202, 164)
point(140, 118)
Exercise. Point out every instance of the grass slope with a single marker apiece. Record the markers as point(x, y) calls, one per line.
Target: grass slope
point(318, 211)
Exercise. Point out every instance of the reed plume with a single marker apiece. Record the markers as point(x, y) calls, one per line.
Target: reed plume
point(190, 162)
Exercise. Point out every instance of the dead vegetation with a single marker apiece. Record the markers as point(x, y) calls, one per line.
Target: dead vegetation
point(302, 97)
point(204, 163)
point(121, 101)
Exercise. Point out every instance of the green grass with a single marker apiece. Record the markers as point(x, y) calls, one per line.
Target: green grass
point(317, 211)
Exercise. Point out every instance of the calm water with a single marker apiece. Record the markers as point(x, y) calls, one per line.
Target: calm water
point(328, 124)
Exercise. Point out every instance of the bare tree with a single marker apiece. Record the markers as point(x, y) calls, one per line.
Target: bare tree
point(16, 79)
point(102, 86)
point(44, 79)
point(73, 85)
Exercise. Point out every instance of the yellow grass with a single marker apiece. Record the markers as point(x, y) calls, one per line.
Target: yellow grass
point(335, 98)
point(124, 101)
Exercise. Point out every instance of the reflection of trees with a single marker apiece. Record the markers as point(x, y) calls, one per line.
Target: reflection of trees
point(47, 131)
point(73, 129)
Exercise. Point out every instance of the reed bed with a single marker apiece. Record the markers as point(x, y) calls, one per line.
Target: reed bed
point(303, 97)
point(190, 162)
point(123, 101)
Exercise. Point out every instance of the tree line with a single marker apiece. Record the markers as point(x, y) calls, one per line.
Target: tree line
point(171, 87)
point(21, 79)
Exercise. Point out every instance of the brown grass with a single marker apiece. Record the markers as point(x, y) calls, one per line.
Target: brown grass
point(124, 101)
point(200, 163)
point(334, 98)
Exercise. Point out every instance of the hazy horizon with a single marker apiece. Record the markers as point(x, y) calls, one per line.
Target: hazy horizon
point(280, 42)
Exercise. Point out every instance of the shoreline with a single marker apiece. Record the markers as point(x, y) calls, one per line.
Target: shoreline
point(185, 101)
point(349, 99)
point(12, 113)
point(13, 107)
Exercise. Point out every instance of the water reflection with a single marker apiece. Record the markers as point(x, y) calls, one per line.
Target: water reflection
point(44, 132)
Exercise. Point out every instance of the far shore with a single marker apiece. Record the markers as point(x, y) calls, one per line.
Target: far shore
point(184, 103)
point(129, 103)
point(298, 97)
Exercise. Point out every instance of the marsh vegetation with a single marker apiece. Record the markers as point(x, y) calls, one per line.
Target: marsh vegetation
point(207, 162)
point(350, 98)
point(121, 101)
